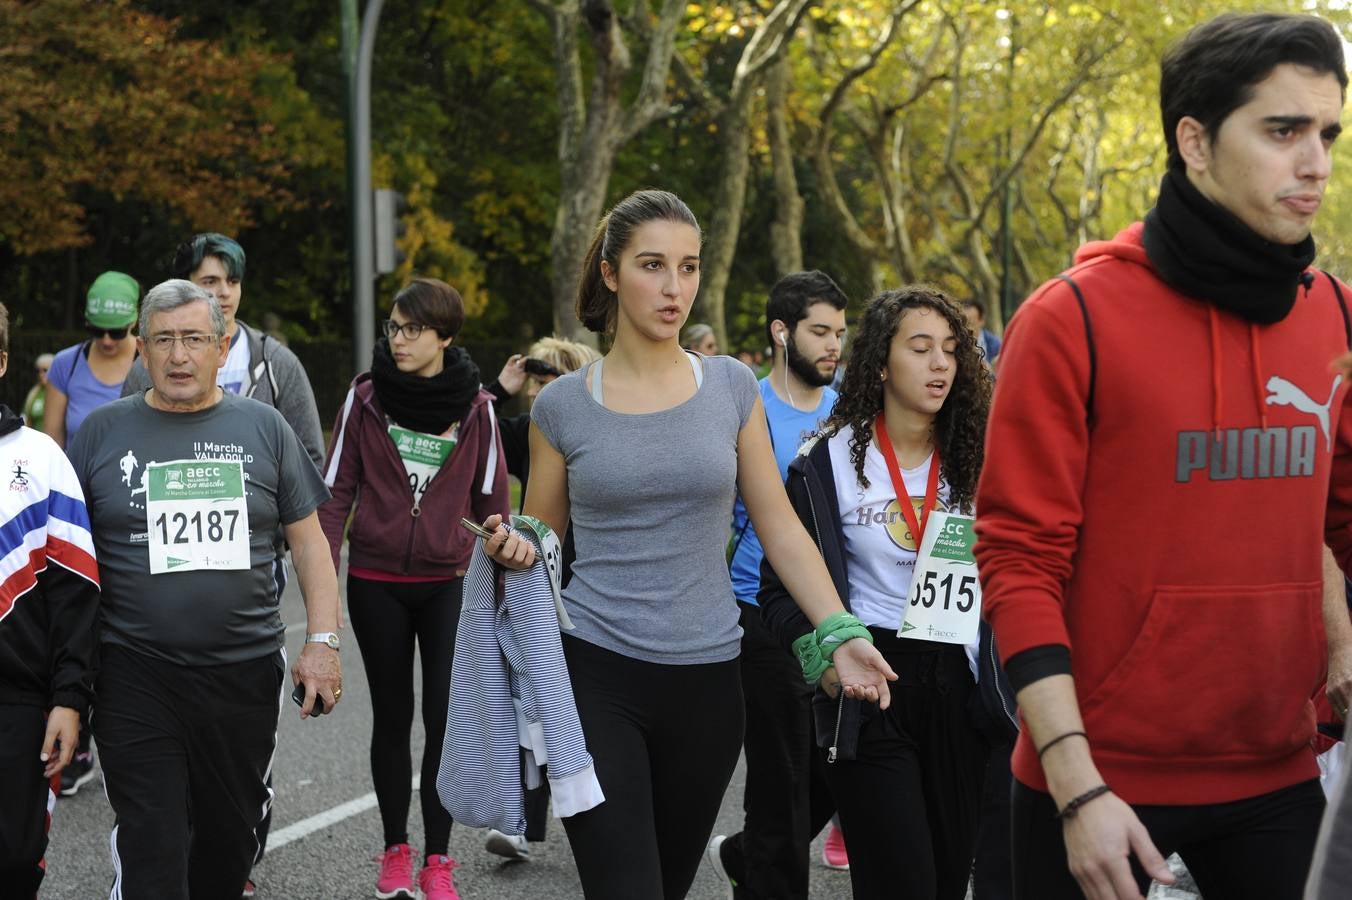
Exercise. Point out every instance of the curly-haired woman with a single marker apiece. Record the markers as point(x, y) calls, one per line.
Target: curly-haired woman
point(910, 420)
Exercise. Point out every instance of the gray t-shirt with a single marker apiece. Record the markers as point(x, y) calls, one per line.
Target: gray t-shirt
point(199, 617)
point(651, 497)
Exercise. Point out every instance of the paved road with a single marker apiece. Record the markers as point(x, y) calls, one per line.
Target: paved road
point(326, 828)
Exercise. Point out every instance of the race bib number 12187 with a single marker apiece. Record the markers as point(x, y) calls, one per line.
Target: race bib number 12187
point(196, 515)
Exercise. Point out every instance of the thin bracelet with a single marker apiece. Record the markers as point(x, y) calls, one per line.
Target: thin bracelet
point(1056, 740)
point(1073, 806)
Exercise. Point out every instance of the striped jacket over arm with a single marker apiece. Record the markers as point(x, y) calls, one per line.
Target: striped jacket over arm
point(511, 708)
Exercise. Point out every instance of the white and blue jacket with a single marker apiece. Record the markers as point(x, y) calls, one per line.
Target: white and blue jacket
point(511, 709)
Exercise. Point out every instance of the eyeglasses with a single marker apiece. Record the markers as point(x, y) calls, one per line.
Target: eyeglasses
point(116, 334)
point(193, 343)
point(412, 330)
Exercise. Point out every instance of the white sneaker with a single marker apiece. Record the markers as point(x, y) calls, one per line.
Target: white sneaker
point(511, 846)
point(714, 855)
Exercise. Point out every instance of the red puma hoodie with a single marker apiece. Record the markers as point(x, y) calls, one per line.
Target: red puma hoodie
point(1168, 529)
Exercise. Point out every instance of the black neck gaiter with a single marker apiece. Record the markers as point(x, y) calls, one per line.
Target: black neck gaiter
point(1205, 252)
point(430, 405)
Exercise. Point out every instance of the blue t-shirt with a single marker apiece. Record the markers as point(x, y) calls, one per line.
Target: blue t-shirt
point(70, 374)
point(789, 427)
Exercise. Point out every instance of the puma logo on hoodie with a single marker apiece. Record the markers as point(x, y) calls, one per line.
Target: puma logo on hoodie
point(1273, 452)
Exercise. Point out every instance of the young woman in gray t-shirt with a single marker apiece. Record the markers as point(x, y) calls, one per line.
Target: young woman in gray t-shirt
point(645, 449)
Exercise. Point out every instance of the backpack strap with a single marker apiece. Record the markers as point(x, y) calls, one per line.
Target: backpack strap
point(1342, 308)
point(1089, 338)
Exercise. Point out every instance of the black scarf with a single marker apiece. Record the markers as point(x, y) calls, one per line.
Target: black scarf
point(1206, 252)
point(430, 405)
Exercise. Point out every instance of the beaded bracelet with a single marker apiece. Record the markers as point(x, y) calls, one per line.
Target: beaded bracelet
point(1056, 740)
point(1073, 806)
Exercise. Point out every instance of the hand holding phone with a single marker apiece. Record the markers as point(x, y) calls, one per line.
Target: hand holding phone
point(475, 528)
point(298, 695)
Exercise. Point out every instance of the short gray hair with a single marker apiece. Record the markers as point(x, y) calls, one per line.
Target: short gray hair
point(696, 334)
point(176, 292)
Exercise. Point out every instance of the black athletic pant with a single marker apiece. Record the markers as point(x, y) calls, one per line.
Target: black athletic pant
point(992, 872)
point(910, 801)
point(23, 801)
point(1253, 849)
point(185, 750)
point(787, 800)
point(665, 740)
point(387, 618)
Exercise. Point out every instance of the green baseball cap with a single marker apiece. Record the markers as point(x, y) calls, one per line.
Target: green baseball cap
point(111, 301)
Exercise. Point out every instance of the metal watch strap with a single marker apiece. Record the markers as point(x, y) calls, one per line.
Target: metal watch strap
point(324, 637)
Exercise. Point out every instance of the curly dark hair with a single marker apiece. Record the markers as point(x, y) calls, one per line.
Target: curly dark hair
point(959, 427)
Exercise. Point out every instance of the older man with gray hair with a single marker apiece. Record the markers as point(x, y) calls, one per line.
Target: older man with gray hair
point(191, 493)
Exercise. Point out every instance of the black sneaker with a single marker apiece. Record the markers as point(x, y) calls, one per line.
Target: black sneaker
point(76, 775)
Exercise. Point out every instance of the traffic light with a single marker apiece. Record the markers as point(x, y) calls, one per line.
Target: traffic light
point(389, 209)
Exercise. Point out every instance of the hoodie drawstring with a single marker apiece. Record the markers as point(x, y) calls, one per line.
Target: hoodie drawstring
point(1217, 394)
point(1217, 385)
point(1256, 353)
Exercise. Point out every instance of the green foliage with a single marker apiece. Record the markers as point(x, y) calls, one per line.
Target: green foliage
point(125, 126)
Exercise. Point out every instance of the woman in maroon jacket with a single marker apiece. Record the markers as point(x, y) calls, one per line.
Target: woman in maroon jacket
point(415, 447)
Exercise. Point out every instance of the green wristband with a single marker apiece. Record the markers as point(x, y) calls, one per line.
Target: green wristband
point(810, 657)
point(838, 628)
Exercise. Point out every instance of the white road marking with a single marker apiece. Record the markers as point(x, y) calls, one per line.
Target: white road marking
point(325, 819)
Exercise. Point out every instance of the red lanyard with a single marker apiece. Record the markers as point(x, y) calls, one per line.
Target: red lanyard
point(899, 485)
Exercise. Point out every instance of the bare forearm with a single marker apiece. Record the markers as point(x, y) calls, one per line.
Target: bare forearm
point(1050, 709)
point(1337, 622)
point(799, 565)
point(318, 585)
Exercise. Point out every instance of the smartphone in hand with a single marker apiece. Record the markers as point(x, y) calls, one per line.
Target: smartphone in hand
point(298, 695)
point(475, 528)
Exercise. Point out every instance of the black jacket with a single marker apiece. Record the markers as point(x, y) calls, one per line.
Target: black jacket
point(812, 491)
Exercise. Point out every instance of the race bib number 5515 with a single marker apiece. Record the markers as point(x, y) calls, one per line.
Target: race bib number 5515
point(945, 600)
point(196, 515)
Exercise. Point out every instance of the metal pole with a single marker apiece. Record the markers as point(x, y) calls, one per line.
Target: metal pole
point(348, 26)
point(363, 268)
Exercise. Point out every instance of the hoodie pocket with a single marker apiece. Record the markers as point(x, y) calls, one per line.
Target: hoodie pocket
point(1216, 672)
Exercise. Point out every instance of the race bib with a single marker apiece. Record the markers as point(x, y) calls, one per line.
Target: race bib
point(196, 515)
point(945, 601)
point(422, 454)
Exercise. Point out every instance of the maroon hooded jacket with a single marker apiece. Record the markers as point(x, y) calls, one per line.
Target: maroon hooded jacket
point(389, 532)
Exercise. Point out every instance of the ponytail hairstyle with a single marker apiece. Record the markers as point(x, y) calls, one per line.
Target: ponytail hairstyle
point(960, 424)
point(596, 303)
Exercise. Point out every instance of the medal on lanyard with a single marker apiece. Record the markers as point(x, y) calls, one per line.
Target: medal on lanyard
point(917, 526)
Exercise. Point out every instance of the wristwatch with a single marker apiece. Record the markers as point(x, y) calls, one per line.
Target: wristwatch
point(323, 637)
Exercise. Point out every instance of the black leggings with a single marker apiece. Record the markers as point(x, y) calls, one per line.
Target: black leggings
point(665, 740)
point(911, 799)
point(386, 617)
point(1253, 849)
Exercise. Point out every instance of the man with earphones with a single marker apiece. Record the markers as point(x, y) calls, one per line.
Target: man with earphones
point(785, 804)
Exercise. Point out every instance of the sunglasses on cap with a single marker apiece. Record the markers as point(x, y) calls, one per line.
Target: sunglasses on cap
point(540, 369)
point(116, 334)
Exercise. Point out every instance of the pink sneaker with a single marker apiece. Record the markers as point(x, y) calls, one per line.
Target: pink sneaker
point(435, 879)
point(396, 873)
point(833, 851)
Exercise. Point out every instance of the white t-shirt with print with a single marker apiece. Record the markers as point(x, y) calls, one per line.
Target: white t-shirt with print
point(234, 375)
point(879, 548)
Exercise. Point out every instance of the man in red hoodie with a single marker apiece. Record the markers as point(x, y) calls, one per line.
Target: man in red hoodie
point(1156, 491)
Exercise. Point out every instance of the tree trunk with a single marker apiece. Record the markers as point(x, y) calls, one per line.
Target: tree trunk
point(594, 128)
point(725, 225)
point(763, 49)
point(786, 231)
